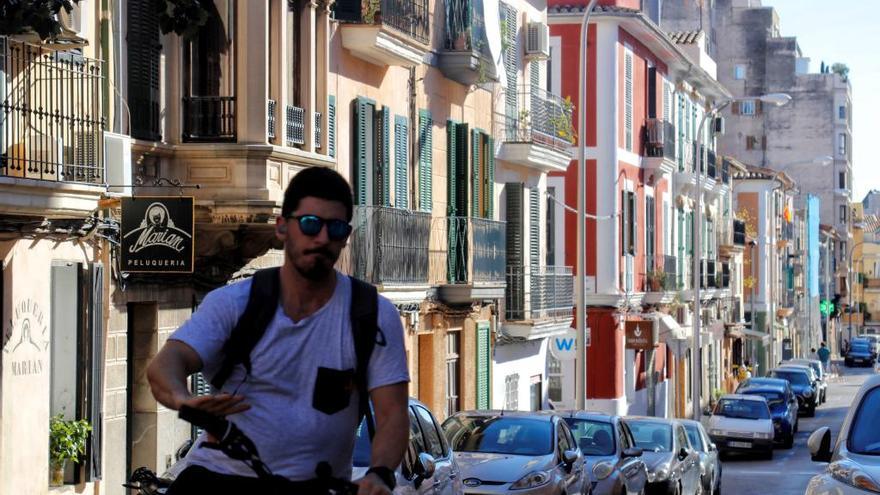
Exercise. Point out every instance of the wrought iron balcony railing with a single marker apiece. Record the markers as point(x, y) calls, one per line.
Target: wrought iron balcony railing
point(389, 246)
point(410, 17)
point(542, 118)
point(51, 117)
point(295, 127)
point(541, 292)
point(476, 250)
point(209, 118)
point(271, 118)
point(660, 138)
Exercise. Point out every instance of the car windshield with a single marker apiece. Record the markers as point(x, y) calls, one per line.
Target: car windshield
point(593, 437)
point(652, 436)
point(773, 398)
point(794, 377)
point(864, 436)
point(742, 409)
point(860, 347)
point(499, 435)
point(694, 436)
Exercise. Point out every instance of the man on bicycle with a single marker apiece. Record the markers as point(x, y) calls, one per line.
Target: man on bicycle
point(298, 403)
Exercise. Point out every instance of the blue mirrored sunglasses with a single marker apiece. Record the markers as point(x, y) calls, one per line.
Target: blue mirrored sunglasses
point(311, 225)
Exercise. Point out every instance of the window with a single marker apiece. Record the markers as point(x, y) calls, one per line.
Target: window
point(842, 216)
point(628, 222)
point(841, 112)
point(144, 77)
point(628, 100)
point(650, 233)
point(536, 395)
point(683, 441)
point(841, 144)
point(433, 443)
point(739, 72)
point(483, 174)
point(554, 379)
point(511, 392)
point(370, 167)
point(551, 227)
point(453, 403)
point(667, 101)
point(841, 180)
point(747, 107)
point(751, 142)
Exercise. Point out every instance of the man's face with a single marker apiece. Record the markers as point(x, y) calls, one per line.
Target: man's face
point(312, 256)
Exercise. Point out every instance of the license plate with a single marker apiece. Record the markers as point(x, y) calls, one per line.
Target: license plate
point(740, 445)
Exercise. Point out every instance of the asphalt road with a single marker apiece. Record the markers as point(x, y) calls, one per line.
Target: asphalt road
point(790, 470)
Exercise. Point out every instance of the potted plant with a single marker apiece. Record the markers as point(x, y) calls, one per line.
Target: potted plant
point(67, 442)
point(656, 279)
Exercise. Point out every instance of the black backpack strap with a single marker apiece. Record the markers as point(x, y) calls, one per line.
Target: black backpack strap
point(261, 307)
point(365, 327)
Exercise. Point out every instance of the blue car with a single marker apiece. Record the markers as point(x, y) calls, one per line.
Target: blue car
point(804, 389)
point(783, 410)
point(860, 352)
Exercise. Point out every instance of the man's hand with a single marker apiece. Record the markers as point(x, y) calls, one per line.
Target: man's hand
point(218, 405)
point(372, 485)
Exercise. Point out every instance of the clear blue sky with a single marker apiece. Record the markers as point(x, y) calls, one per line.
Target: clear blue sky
point(844, 31)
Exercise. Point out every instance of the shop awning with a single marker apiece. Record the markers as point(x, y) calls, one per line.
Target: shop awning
point(753, 334)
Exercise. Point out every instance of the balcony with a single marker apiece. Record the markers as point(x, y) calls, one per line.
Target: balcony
point(660, 148)
point(475, 259)
point(385, 32)
point(209, 119)
point(541, 133)
point(539, 300)
point(466, 56)
point(662, 283)
point(389, 247)
point(52, 132)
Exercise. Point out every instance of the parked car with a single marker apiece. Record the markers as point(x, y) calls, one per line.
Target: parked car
point(873, 341)
point(860, 352)
point(814, 378)
point(673, 464)
point(504, 451)
point(820, 372)
point(783, 410)
point(854, 467)
point(710, 462)
point(803, 386)
point(742, 423)
point(428, 467)
point(612, 459)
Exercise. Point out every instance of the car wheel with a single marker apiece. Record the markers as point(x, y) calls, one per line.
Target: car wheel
point(768, 455)
point(811, 412)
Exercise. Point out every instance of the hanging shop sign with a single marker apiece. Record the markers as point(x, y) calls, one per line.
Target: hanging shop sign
point(640, 334)
point(157, 234)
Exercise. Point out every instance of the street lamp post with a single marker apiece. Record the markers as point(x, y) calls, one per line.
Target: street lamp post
point(851, 286)
point(777, 99)
point(580, 287)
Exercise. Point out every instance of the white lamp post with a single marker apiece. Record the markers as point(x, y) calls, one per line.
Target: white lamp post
point(580, 381)
point(776, 99)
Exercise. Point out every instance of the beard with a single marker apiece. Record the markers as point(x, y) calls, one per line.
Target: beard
point(319, 268)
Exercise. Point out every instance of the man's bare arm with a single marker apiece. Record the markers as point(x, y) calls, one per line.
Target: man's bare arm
point(392, 434)
point(168, 373)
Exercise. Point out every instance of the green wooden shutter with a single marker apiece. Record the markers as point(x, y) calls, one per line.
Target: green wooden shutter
point(489, 179)
point(426, 154)
point(362, 116)
point(383, 193)
point(483, 363)
point(476, 173)
point(451, 161)
point(534, 227)
point(513, 197)
point(461, 168)
point(401, 165)
point(331, 125)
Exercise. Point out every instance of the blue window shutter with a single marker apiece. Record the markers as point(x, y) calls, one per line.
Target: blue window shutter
point(451, 154)
point(384, 192)
point(483, 364)
point(331, 125)
point(401, 164)
point(426, 153)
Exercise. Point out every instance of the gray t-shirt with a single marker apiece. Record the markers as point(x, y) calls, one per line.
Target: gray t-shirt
point(292, 436)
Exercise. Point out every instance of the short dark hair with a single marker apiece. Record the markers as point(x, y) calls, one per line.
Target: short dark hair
point(317, 182)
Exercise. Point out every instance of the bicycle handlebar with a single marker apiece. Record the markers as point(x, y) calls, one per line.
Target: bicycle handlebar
point(237, 445)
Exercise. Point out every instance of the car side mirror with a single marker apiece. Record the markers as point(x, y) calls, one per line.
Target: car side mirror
point(683, 454)
point(632, 452)
point(708, 411)
point(424, 468)
point(713, 447)
point(820, 445)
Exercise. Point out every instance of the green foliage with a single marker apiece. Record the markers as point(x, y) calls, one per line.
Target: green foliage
point(841, 69)
point(369, 9)
point(183, 17)
point(67, 439)
point(38, 16)
point(562, 122)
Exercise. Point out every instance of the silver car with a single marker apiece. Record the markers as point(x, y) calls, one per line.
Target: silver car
point(614, 463)
point(710, 461)
point(673, 464)
point(516, 452)
point(855, 459)
point(428, 467)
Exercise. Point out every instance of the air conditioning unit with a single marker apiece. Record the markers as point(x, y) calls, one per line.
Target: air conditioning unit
point(537, 41)
point(117, 156)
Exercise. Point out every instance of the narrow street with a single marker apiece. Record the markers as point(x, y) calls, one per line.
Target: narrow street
point(790, 470)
